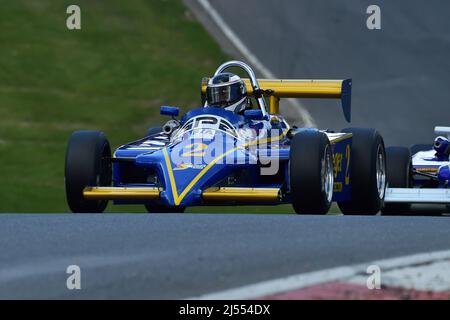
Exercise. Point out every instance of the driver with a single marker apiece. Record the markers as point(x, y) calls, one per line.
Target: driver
point(442, 148)
point(227, 91)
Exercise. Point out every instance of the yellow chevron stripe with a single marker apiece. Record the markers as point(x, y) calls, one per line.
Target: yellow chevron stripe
point(178, 198)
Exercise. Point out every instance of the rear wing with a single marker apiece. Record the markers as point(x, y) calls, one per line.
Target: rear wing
point(442, 131)
point(275, 89)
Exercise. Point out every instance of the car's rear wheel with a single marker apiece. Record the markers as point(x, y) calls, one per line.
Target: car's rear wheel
point(158, 208)
point(368, 173)
point(88, 163)
point(399, 175)
point(311, 172)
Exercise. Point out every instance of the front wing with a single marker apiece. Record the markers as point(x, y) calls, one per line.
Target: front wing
point(410, 195)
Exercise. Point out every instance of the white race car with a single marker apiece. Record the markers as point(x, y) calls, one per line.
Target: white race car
point(420, 174)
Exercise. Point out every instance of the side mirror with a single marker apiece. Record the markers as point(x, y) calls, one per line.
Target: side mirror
point(169, 111)
point(253, 115)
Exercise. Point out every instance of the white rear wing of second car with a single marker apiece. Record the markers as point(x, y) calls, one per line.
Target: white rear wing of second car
point(441, 131)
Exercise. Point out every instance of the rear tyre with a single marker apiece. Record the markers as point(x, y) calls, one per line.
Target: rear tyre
point(311, 172)
point(88, 163)
point(157, 208)
point(368, 173)
point(399, 175)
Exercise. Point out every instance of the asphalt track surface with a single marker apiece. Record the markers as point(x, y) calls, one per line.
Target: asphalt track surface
point(180, 256)
point(400, 87)
point(400, 73)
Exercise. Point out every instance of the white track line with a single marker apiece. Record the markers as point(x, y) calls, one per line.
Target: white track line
point(306, 117)
point(303, 280)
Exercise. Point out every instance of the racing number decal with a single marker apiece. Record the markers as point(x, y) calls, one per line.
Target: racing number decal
point(196, 150)
point(347, 169)
point(338, 157)
point(337, 164)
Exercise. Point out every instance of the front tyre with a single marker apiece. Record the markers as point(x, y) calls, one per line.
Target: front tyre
point(368, 173)
point(88, 163)
point(399, 175)
point(311, 172)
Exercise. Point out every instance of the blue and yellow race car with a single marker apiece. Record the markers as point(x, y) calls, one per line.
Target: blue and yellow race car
point(234, 150)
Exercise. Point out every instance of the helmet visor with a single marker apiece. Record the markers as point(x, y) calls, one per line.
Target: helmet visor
point(224, 95)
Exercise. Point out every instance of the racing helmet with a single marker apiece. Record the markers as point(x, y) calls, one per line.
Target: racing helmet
point(227, 91)
point(442, 147)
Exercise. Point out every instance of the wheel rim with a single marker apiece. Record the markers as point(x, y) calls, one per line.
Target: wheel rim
point(327, 174)
point(381, 172)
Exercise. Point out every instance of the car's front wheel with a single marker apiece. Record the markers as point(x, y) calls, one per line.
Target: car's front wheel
point(311, 172)
point(88, 163)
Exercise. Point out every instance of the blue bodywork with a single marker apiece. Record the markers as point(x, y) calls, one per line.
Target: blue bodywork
point(431, 168)
point(175, 162)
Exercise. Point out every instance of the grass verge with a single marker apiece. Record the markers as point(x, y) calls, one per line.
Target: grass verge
point(129, 58)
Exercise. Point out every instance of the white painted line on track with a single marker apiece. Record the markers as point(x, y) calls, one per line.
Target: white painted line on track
point(306, 117)
point(303, 280)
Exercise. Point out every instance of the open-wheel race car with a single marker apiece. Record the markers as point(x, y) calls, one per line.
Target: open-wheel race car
point(234, 150)
point(419, 175)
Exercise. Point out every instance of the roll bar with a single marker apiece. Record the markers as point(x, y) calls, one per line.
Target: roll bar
point(253, 81)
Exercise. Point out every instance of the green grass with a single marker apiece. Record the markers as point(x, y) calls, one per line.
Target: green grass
point(129, 58)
